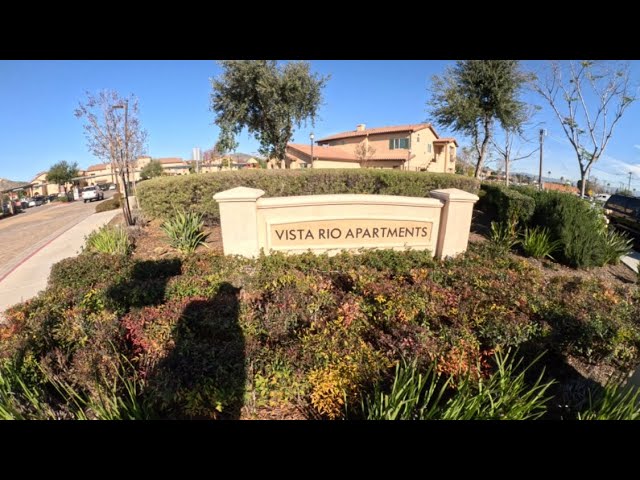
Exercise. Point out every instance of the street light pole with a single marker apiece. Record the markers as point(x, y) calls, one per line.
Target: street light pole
point(542, 133)
point(311, 137)
point(124, 170)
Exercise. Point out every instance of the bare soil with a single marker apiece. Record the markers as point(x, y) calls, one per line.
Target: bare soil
point(151, 243)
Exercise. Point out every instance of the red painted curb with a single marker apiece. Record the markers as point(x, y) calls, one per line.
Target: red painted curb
point(36, 251)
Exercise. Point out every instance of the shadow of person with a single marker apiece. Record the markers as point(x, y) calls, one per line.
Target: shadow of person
point(145, 286)
point(203, 376)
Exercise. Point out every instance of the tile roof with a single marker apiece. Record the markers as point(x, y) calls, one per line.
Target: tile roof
point(164, 161)
point(98, 166)
point(325, 152)
point(37, 175)
point(446, 140)
point(371, 131)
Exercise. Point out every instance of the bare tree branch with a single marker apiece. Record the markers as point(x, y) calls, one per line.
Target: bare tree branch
point(610, 93)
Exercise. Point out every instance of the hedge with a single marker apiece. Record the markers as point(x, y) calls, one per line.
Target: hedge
point(579, 227)
point(508, 204)
point(160, 197)
point(110, 204)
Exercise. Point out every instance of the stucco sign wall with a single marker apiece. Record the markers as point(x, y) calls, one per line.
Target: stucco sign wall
point(330, 223)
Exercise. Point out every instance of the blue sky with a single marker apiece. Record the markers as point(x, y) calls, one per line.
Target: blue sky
point(37, 99)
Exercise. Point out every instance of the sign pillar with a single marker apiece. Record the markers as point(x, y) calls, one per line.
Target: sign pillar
point(238, 220)
point(455, 222)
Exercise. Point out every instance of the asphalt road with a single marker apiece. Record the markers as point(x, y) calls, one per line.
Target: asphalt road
point(26, 232)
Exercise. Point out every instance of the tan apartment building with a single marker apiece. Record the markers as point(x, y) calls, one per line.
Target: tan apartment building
point(99, 174)
point(407, 147)
point(40, 186)
point(102, 173)
point(170, 166)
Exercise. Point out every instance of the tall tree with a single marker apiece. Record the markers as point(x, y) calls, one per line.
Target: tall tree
point(267, 99)
point(62, 173)
point(472, 95)
point(114, 134)
point(151, 170)
point(589, 99)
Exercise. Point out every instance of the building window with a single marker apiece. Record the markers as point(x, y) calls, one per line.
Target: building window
point(417, 138)
point(395, 143)
point(429, 148)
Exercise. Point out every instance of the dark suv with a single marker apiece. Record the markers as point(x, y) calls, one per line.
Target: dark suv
point(624, 213)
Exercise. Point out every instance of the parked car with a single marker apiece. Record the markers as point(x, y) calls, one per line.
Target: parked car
point(602, 197)
point(112, 186)
point(89, 194)
point(624, 213)
point(39, 200)
point(104, 187)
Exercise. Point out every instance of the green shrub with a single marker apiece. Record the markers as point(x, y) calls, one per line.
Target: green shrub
point(159, 197)
point(504, 236)
point(110, 204)
point(578, 227)
point(112, 240)
point(210, 335)
point(537, 243)
point(413, 395)
point(185, 231)
point(504, 395)
point(23, 399)
point(614, 402)
point(589, 319)
point(616, 245)
point(86, 271)
point(506, 203)
point(63, 199)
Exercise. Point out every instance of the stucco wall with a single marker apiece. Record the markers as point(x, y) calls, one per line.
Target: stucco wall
point(334, 163)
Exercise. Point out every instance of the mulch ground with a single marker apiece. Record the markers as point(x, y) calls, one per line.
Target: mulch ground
point(151, 243)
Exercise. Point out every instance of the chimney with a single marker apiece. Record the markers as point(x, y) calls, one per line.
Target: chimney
point(360, 127)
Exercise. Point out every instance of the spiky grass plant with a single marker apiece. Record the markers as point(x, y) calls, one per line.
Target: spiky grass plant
point(537, 243)
point(185, 231)
point(113, 240)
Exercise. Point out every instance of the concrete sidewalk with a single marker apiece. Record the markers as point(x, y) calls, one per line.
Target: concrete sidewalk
point(632, 261)
point(30, 277)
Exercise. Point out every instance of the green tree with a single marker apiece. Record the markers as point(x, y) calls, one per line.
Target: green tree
point(61, 173)
point(151, 169)
point(471, 96)
point(589, 99)
point(267, 99)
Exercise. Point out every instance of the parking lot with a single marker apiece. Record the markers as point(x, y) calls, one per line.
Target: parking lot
point(26, 232)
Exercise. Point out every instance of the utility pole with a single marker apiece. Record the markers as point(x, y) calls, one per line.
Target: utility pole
point(629, 187)
point(542, 132)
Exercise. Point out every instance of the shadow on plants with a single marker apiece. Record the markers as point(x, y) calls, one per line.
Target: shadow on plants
point(204, 374)
point(570, 393)
point(145, 285)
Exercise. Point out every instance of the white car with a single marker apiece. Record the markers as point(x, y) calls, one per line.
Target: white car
point(89, 194)
point(112, 187)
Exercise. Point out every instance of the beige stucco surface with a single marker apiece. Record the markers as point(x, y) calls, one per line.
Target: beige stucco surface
point(331, 223)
